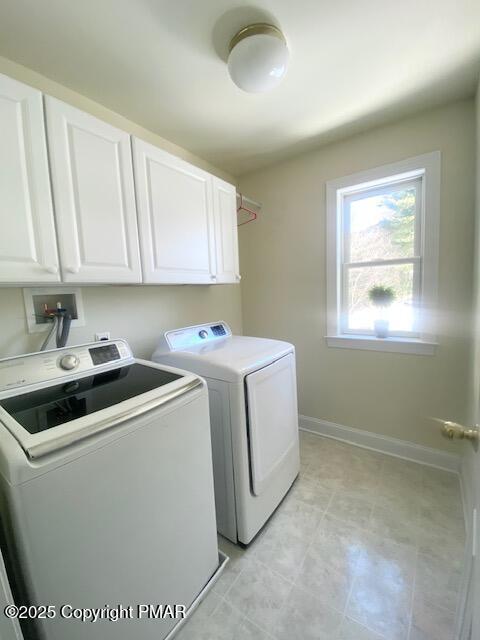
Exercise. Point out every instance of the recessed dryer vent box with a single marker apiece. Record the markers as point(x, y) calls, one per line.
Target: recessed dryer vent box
point(35, 300)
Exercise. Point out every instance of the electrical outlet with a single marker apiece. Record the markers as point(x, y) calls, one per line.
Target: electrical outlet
point(105, 335)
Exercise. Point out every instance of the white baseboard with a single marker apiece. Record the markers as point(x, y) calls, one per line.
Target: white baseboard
point(383, 444)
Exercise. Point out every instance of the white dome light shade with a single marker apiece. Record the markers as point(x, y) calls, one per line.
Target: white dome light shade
point(258, 58)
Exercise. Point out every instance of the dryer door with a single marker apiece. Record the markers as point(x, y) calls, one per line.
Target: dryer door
point(273, 418)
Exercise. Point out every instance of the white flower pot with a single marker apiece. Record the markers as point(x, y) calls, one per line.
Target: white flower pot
point(381, 328)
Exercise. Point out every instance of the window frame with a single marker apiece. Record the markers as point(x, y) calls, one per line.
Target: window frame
point(422, 340)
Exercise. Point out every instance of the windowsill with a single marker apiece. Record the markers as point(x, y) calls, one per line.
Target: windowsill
point(393, 345)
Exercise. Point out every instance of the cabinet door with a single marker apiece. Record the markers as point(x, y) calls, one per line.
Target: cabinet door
point(28, 249)
point(226, 237)
point(175, 213)
point(94, 197)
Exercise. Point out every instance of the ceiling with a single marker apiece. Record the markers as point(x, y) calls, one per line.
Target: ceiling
point(160, 63)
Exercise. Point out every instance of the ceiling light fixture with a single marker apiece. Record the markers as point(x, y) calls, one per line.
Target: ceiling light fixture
point(258, 58)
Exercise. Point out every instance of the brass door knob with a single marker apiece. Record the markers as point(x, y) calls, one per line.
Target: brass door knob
point(453, 430)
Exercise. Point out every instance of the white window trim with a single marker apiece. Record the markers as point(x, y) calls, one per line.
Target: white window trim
point(427, 166)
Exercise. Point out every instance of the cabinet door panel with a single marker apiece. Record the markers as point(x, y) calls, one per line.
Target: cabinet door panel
point(226, 236)
point(28, 249)
point(94, 195)
point(175, 212)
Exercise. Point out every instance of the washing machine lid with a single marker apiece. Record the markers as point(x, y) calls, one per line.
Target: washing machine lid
point(46, 407)
point(229, 358)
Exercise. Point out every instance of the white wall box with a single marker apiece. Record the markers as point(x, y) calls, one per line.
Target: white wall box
point(94, 197)
point(52, 295)
point(28, 250)
point(175, 216)
point(226, 237)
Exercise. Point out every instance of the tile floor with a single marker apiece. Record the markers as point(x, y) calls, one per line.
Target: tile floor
point(364, 547)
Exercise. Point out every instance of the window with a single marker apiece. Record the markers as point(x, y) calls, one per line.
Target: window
point(382, 231)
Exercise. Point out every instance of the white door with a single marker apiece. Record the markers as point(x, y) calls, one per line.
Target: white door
point(226, 237)
point(176, 222)
point(94, 197)
point(469, 609)
point(474, 594)
point(272, 418)
point(28, 248)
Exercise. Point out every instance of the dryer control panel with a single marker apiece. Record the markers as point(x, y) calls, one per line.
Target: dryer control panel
point(181, 339)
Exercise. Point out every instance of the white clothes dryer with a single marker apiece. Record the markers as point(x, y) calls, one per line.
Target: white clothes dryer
point(253, 415)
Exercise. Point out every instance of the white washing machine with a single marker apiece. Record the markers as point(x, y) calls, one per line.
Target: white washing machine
point(106, 489)
point(253, 415)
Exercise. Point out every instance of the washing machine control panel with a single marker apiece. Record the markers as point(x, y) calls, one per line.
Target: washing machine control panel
point(199, 334)
point(104, 354)
point(58, 363)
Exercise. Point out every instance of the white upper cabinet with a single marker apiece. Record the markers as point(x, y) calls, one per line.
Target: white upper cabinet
point(226, 237)
point(186, 230)
point(92, 180)
point(28, 250)
point(176, 218)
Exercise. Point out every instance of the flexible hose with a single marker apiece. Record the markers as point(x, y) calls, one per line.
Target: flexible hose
point(50, 334)
point(66, 322)
point(59, 317)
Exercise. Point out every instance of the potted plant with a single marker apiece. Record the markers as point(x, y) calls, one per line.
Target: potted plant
point(382, 298)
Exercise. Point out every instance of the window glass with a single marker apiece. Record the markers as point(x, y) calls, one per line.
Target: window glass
point(381, 226)
point(361, 313)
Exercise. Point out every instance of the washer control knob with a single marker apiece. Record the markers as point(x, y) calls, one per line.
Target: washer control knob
point(69, 362)
point(203, 334)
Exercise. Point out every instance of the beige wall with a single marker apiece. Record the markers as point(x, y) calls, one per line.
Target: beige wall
point(283, 286)
point(137, 313)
